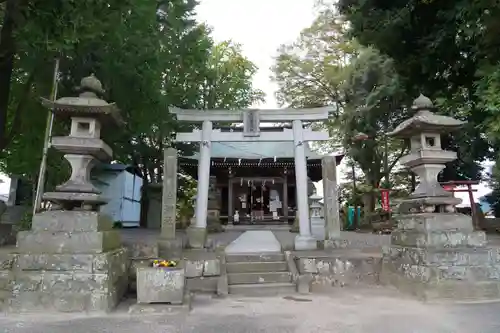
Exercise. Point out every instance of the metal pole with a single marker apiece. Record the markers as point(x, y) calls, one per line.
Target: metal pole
point(46, 143)
point(386, 161)
point(355, 197)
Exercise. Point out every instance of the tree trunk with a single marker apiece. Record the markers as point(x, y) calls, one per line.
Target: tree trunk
point(7, 52)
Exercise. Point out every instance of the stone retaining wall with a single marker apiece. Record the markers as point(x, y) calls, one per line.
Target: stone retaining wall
point(205, 271)
point(320, 272)
point(62, 282)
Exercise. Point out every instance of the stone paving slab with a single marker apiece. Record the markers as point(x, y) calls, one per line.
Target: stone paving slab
point(374, 310)
point(254, 241)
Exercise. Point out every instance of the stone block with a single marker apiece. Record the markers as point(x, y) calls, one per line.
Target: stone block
point(202, 284)
point(197, 237)
point(142, 250)
point(71, 221)
point(50, 301)
point(67, 242)
point(329, 244)
point(340, 270)
point(305, 243)
point(318, 228)
point(431, 222)
point(304, 284)
point(55, 262)
point(69, 282)
point(170, 249)
point(440, 257)
point(438, 239)
point(160, 285)
point(443, 290)
point(211, 267)
point(194, 268)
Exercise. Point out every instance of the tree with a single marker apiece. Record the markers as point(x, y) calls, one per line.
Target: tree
point(310, 71)
point(439, 48)
point(325, 68)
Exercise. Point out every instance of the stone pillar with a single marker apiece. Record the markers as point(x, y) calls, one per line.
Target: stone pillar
point(331, 200)
point(197, 234)
point(169, 247)
point(213, 207)
point(304, 240)
point(230, 204)
point(169, 197)
point(285, 197)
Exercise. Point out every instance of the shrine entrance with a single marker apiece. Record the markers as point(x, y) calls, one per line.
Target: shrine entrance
point(295, 136)
point(256, 200)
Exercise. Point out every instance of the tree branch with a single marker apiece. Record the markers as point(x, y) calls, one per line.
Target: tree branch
point(401, 153)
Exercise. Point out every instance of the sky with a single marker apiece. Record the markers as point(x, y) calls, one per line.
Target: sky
point(260, 26)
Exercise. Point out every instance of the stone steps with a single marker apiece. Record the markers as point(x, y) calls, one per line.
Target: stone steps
point(264, 277)
point(263, 274)
point(264, 257)
point(262, 289)
point(257, 267)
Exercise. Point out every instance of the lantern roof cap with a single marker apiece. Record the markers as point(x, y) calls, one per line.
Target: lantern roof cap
point(425, 121)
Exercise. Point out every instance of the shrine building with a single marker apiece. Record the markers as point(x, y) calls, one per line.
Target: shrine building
point(256, 180)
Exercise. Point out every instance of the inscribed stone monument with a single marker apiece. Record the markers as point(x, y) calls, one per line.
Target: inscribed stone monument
point(169, 246)
point(169, 197)
point(330, 199)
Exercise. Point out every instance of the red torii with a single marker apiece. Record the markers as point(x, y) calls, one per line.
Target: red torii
point(451, 187)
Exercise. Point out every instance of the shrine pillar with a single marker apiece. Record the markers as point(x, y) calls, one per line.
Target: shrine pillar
point(304, 240)
point(197, 234)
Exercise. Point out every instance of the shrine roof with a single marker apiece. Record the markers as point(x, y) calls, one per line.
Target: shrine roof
point(255, 150)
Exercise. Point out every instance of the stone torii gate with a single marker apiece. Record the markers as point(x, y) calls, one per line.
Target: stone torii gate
point(251, 120)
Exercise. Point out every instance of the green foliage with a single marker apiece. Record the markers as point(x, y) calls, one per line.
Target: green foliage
point(442, 49)
point(325, 67)
point(148, 55)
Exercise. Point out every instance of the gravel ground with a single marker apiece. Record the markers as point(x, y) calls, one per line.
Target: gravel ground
point(374, 310)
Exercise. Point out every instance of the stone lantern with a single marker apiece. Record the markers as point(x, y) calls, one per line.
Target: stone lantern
point(72, 251)
point(435, 252)
point(317, 221)
point(83, 147)
point(426, 158)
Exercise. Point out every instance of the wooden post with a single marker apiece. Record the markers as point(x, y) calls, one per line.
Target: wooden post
point(285, 197)
point(230, 212)
point(473, 207)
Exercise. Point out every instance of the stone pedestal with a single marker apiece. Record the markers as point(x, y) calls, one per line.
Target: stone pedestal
point(197, 237)
point(160, 285)
point(71, 261)
point(440, 256)
point(305, 243)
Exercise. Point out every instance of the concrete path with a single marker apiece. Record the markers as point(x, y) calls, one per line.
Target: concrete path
point(254, 241)
point(357, 310)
